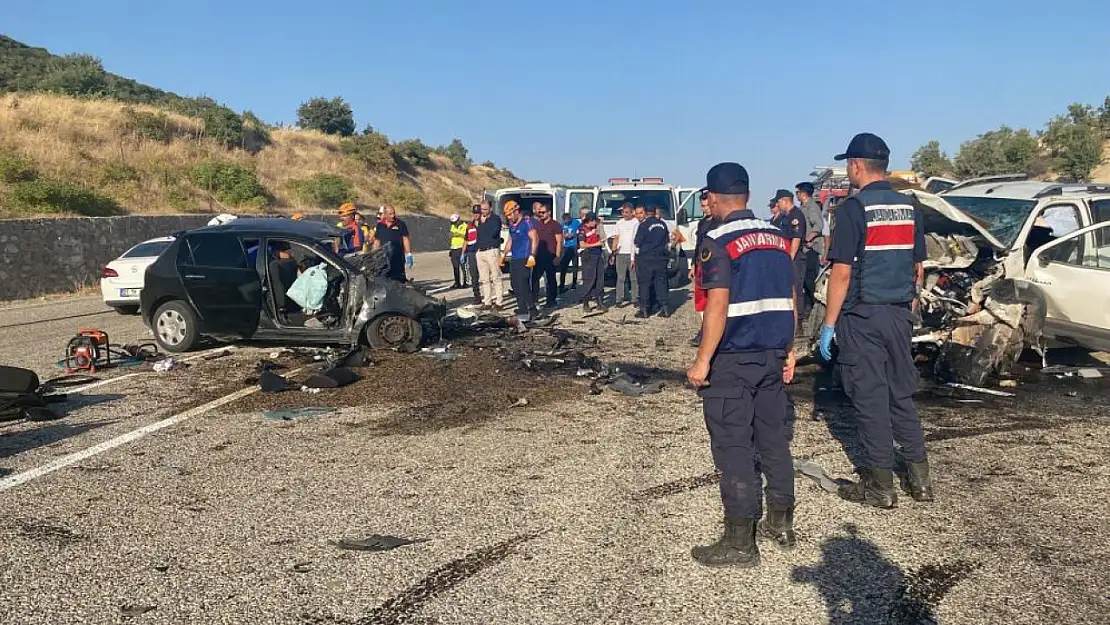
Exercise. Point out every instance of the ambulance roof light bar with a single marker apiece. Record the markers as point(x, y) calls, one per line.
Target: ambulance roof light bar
point(616, 181)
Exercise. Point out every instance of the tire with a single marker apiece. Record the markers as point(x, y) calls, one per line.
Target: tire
point(394, 332)
point(175, 327)
point(127, 310)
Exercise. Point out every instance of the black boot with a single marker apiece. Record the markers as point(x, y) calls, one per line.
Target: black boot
point(736, 546)
point(874, 488)
point(585, 307)
point(920, 486)
point(778, 525)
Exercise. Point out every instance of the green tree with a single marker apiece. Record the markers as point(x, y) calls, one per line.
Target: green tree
point(1002, 151)
point(331, 117)
point(413, 152)
point(929, 161)
point(1074, 144)
point(458, 154)
point(76, 74)
point(372, 149)
point(1104, 115)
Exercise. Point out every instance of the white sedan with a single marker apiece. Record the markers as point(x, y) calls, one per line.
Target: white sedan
point(122, 280)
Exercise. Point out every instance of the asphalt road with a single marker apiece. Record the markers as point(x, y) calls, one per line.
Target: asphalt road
point(169, 498)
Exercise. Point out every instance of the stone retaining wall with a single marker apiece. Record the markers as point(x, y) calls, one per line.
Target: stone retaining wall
point(44, 256)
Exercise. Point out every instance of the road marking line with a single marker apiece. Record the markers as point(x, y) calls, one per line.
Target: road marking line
point(440, 289)
point(21, 478)
point(81, 389)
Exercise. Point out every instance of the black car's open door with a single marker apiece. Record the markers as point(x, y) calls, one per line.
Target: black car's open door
point(223, 287)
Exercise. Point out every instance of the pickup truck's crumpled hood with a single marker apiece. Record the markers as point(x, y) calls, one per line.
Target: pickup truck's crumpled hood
point(943, 218)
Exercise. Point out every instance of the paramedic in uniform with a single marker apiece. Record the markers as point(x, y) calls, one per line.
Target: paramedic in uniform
point(744, 357)
point(877, 252)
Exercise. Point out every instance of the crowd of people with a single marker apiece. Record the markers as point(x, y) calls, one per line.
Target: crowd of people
point(541, 249)
point(389, 234)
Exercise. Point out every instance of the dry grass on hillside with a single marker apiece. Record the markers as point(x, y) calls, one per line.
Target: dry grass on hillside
point(91, 143)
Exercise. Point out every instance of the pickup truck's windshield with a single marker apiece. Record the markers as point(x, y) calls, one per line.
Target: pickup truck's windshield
point(1002, 217)
point(609, 202)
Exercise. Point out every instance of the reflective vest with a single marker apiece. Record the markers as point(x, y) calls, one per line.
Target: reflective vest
point(458, 235)
point(355, 238)
point(471, 237)
point(884, 271)
point(760, 297)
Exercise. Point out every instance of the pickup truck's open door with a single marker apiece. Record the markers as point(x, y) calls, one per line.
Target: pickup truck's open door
point(577, 199)
point(689, 201)
point(1073, 274)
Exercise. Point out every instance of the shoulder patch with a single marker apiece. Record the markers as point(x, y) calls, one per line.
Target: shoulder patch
point(706, 253)
point(795, 222)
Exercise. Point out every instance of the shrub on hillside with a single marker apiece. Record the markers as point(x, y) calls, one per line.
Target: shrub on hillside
point(115, 172)
point(76, 74)
point(44, 195)
point(371, 149)
point(406, 199)
point(413, 152)
point(321, 190)
point(230, 183)
point(457, 152)
point(256, 134)
point(331, 117)
point(221, 124)
point(15, 168)
point(147, 125)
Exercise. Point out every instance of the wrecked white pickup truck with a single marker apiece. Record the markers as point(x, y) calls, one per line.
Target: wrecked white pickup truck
point(1012, 263)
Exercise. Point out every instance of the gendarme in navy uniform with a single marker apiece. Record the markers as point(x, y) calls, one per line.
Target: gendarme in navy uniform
point(652, 248)
point(792, 221)
point(744, 357)
point(877, 253)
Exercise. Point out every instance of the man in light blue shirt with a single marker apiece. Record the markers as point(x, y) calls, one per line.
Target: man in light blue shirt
point(571, 224)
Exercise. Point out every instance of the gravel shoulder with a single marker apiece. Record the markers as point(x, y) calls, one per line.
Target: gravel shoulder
point(575, 508)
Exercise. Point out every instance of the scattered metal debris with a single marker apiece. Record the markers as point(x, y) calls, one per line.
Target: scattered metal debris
point(979, 389)
point(293, 414)
point(376, 542)
point(814, 471)
point(520, 403)
point(168, 364)
point(129, 611)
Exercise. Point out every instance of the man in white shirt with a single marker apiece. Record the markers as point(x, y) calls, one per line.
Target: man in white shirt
point(623, 244)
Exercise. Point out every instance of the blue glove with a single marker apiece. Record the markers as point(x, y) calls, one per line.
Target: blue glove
point(825, 342)
point(409, 260)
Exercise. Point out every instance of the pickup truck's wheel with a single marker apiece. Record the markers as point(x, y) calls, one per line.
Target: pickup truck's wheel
point(175, 327)
point(394, 332)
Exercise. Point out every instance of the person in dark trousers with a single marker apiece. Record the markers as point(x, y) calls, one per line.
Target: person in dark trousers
point(549, 234)
point(569, 258)
point(814, 246)
point(591, 243)
point(519, 253)
point(392, 233)
point(458, 248)
point(792, 222)
point(707, 223)
point(471, 253)
point(745, 357)
point(877, 253)
point(653, 240)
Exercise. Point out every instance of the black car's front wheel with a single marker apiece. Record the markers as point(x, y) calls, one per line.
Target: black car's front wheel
point(175, 327)
point(394, 332)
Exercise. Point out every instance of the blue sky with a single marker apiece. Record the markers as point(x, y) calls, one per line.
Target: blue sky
point(579, 91)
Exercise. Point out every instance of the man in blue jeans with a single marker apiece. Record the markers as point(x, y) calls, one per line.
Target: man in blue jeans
point(571, 224)
point(520, 254)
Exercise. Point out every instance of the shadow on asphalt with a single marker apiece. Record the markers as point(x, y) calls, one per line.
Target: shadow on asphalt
point(26, 440)
point(860, 586)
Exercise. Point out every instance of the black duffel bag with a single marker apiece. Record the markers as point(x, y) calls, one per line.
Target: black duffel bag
point(22, 396)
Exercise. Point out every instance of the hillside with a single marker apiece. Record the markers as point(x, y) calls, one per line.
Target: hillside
point(119, 147)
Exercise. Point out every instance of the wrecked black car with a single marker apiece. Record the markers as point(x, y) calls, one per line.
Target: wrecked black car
point(273, 279)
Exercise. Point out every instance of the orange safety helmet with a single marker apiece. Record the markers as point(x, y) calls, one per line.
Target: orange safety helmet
point(511, 206)
point(347, 209)
point(297, 217)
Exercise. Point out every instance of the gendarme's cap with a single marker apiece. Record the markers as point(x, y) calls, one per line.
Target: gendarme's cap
point(866, 145)
point(781, 193)
point(727, 179)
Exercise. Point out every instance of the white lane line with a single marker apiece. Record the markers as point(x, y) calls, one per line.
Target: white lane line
point(22, 478)
point(439, 290)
